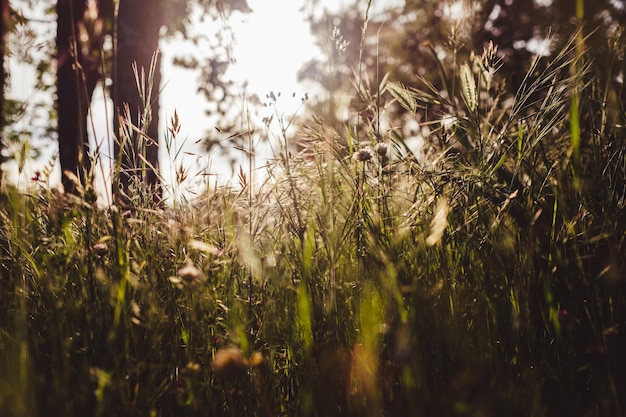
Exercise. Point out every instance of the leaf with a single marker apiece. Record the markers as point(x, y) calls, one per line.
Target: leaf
point(304, 316)
point(403, 95)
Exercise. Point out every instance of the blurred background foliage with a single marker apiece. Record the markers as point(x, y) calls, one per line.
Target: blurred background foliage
point(400, 41)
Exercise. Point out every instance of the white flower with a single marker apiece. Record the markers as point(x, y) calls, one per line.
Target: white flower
point(189, 273)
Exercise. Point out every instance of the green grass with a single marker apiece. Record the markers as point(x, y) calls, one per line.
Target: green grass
point(485, 280)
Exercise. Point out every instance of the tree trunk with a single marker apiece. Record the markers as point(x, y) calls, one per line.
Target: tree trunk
point(79, 31)
point(137, 101)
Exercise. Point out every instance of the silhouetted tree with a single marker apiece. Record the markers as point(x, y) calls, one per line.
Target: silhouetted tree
point(79, 37)
point(135, 26)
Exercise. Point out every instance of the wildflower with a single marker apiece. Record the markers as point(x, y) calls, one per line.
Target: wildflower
point(611, 331)
point(381, 148)
point(101, 248)
point(179, 385)
point(189, 273)
point(363, 155)
point(229, 361)
point(256, 359)
point(562, 315)
point(136, 310)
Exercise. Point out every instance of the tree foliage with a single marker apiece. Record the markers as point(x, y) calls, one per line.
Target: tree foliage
point(411, 43)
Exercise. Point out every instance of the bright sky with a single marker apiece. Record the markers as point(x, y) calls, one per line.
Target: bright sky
point(272, 43)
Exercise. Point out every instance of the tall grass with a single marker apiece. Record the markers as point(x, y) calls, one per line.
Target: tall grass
point(357, 279)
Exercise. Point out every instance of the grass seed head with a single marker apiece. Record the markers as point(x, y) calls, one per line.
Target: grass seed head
point(381, 149)
point(229, 362)
point(363, 155)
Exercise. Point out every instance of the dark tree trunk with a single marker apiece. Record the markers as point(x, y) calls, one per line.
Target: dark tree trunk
point(78, 39)
point(138, 26)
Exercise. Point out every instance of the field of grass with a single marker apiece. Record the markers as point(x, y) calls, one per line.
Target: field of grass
point(356, 279)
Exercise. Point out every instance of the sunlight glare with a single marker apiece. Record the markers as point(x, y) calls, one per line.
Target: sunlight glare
point(455, 11)
point(273, 42)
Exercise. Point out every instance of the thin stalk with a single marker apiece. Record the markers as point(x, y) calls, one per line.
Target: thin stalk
point(577, 65)
point(361, 47)
point(251, 161)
